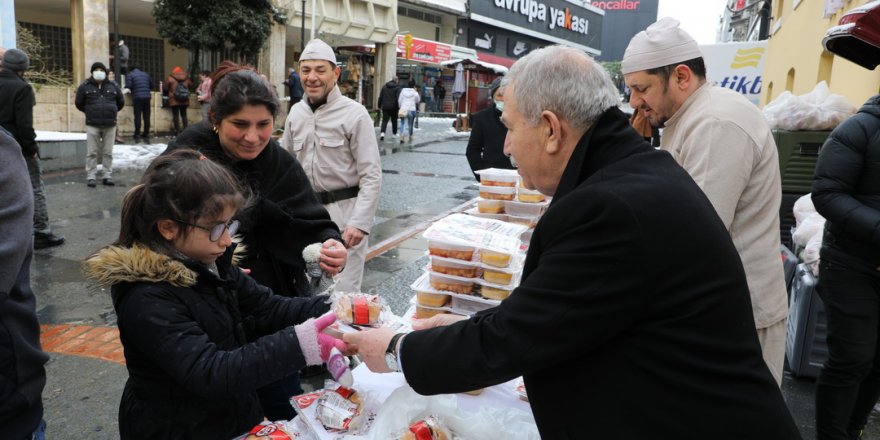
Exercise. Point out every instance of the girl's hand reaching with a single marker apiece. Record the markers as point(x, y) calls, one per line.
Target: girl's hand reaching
point(316, 346)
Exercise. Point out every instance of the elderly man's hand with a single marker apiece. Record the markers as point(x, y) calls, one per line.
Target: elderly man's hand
point(371, 346)
point(436, 321)
point(352, 236)
point(333, 257)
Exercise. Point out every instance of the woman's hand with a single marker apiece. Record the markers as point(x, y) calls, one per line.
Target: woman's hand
point(333, 257)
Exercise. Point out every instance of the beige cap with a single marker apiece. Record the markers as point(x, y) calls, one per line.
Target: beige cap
point(661, 44)
point(318, 50)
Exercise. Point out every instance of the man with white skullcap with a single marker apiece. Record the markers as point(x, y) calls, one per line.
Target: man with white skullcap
point(723, 141)
point(333, 138)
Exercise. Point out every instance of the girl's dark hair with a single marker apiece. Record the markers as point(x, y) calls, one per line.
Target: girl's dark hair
point(412, 83)
point(233, 86)
point(183, 186)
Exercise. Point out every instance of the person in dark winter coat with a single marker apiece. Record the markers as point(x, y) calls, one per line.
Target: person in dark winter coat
point(178, 106)
point(140, 84)
point(17, 101)
point(285, 216)
point(439, 96)
point(100, 99)
point(294, 84)
point(199, 335)
point(846, 191)
point(388, 104)
point(485, 147)
point(619, 312)
point(22, 375)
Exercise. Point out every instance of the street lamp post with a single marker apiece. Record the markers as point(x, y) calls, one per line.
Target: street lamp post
point(302, 29)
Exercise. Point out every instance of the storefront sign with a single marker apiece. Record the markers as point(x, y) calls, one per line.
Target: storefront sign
point(486, 42)
point(618, 5)
point(426, 51)
point(517, 48)
point(558, 21)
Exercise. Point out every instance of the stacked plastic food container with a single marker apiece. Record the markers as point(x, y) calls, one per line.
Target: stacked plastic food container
point(503, 197)
point(475, 264)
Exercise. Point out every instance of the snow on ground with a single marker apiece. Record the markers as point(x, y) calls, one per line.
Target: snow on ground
point(135, 156)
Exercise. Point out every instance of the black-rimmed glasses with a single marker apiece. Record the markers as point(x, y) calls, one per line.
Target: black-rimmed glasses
point(216, 231)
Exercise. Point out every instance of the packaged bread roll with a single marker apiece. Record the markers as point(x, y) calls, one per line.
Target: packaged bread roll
point(427, 429)
point(357, 308)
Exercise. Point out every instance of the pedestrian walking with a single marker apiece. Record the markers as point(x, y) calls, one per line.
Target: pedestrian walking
point(439, 96)
point(389, 107)
point(847, 193)
point(140, 84)
point(285, 216)
point(725, 144)
point(17, 101)
point(408, 102)
point(333, 138)
point(635, 326)
point(100, 100)
point(485, 147)
point(178, 86)
point(194, 367)
point(22, 360)
point(204, 93)
point(294, 85)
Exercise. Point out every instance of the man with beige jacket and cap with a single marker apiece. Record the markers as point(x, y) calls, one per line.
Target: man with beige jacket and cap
point(724, 143)
point(333, 138)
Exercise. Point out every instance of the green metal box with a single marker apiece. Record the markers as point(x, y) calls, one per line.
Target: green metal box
point(798, 151)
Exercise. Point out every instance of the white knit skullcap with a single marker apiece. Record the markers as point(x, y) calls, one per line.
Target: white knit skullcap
point(318, 50)
point(661, 44)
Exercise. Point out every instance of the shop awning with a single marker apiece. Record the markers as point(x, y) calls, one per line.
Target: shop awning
point(495, 59)
point(857, 36)
point(497, 68)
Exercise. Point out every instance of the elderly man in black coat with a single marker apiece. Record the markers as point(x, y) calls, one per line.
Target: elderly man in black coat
point(633, 317)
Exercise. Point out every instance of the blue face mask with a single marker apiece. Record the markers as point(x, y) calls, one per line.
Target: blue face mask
point(499, 105)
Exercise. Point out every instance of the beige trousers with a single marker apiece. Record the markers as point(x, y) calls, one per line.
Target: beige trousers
point(772, 341)
point(351, 277)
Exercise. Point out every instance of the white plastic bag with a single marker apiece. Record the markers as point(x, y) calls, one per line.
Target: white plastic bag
point(817, 110)
point(808, 228)
point(811, 252)
point(404, 406)
point(803, 208)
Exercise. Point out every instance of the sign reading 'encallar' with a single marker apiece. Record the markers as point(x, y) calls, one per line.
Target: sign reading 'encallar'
point(554, 17)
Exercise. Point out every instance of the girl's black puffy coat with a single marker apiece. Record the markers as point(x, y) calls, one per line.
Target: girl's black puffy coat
point(197, 345)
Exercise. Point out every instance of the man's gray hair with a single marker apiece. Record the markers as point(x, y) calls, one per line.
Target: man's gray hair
point(564, 81)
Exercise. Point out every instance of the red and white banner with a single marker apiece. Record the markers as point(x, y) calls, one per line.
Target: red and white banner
point(426, 51)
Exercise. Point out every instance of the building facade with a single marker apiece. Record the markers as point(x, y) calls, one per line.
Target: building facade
point(796, 60)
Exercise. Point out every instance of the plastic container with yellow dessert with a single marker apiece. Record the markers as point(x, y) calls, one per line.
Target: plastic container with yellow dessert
point(490, 206)
point(451, 266)
point(497, 192)
point(449, 283)
point(432, 299)
point(529, 196)
point(492, 292)
point(495, 258)
point(498, 177)
point(525, 209)
point(498, 276)
point(475, 211)
point(446, 249)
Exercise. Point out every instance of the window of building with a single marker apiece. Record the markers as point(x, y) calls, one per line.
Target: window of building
point(57, 50)
point(769, 92)
point(419, 15)
point(789, 80)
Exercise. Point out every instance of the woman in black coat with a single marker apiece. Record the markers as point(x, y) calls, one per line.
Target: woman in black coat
point(846, 191)
point(286, 216)
point(485, 148)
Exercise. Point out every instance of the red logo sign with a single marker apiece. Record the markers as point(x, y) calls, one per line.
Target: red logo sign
point(423, 50)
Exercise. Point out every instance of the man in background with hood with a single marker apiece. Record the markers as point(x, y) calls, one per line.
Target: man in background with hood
point(388, 103)
point(100, 99)
point(17, 101)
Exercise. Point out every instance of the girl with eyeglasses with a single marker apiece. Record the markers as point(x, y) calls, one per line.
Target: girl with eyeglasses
point(200, 336)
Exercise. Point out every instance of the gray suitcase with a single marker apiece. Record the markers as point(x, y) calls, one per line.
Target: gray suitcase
point(805, 346)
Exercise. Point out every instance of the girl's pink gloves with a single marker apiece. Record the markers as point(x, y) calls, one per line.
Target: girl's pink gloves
point(315, 345)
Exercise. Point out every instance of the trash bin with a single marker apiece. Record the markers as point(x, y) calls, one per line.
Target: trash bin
point(805, 346)
point(798, 151)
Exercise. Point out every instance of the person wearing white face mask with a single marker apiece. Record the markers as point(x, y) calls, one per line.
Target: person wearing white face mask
point(100, 100)
point(485, 148)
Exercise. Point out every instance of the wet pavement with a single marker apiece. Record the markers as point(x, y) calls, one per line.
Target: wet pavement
point(423, 181)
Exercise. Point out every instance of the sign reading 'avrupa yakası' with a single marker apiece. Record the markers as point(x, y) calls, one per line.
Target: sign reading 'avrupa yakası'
point(573, 23)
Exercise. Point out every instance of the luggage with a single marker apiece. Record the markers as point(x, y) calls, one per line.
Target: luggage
point(805, 347)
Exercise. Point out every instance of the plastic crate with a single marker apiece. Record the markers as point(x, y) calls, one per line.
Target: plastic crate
point(805, 346)
point(798, 151)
